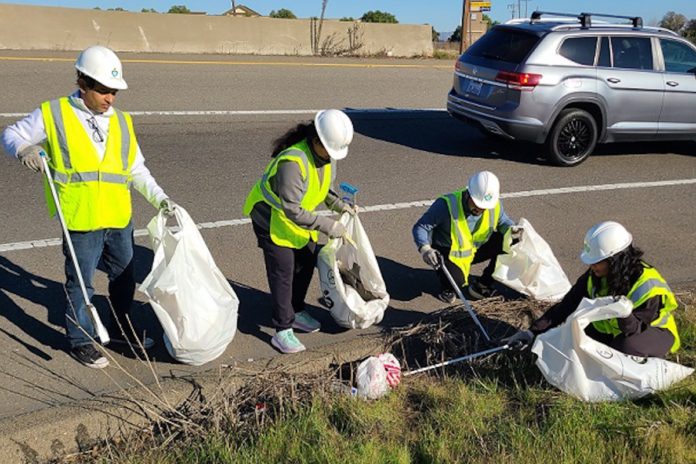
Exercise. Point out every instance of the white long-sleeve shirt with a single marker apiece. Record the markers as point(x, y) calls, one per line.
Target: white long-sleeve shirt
point(31, 131)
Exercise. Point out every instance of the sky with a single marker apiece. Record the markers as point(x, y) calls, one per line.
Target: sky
point(444, 15)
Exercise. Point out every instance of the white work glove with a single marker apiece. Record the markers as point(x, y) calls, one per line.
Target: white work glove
point(520, 340)
point(350, 209)
point(337, 230)
point(30, 156)
point(167, 206)
point(516, 233)
point(430, 256)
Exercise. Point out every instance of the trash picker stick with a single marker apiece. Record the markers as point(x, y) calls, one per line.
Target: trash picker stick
point(102, 333)
point(459, 293)
point(458, 360)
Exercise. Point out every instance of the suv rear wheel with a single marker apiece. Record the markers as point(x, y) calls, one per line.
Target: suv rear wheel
point(573, 137)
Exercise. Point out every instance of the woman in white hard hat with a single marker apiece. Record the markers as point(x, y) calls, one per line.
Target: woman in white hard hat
point(616, 268)
point(282, 208)
point(463, 228)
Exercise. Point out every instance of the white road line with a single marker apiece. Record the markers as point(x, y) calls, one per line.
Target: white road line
point(5, 247)
point(254, 112)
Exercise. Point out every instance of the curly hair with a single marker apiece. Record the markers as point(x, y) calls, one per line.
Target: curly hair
point(298, 133)
point(625, 268)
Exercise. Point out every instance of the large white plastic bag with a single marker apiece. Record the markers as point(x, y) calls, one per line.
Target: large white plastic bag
point(352, 307)
point(579, 365)
point(531, 268)
point(193, 301)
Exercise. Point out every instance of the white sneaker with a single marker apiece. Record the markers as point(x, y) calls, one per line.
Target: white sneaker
point(305, 322)
point(286, 342)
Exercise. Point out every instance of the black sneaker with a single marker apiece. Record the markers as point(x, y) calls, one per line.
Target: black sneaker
point(145, 341)
point(448, 296)
point(479, 291)
point(89, 356)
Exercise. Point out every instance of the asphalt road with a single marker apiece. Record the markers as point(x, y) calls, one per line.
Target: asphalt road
point(406, 150)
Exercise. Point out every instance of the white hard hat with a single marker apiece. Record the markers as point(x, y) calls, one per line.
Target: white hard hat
point(335, 132)
point(604, 240)
point(484, 189)
point(102, 65)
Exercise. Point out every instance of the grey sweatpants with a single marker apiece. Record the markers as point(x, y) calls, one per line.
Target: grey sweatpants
point(289, 272)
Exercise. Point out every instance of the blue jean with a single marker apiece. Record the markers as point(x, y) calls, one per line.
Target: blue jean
point(113, 249)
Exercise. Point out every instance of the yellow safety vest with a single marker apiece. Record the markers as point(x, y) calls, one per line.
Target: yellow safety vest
point(93, 194)
point(284, 232)
point(464, 242)
point(650, 284)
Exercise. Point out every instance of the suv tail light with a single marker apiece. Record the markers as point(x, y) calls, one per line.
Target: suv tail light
point(521, 81)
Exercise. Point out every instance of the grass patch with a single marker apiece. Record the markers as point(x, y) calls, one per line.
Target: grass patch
point(495, 410)
point(439, 54)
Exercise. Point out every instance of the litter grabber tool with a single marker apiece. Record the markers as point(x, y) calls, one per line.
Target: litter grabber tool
point(458, 360)
point(459, 293)
point(101, 331)
point(349, 194)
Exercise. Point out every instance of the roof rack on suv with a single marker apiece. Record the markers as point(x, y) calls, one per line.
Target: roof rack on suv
point(586, 18)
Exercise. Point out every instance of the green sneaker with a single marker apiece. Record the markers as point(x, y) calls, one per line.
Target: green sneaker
point(305, 322)
point(286, 342)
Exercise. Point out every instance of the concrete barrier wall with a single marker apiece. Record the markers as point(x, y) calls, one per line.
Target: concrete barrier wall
point(48, 28)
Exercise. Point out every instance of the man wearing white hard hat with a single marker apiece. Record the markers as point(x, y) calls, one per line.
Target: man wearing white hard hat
point(282, 208)
point(463, 228)
point(616, 268)
point(94, 158)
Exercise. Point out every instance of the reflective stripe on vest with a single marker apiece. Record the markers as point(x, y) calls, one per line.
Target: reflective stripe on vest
point(94, 194)
point(464, 242)
point(649, 285)
point(283, 231)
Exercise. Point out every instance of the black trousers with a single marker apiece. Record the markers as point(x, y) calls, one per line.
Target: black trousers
point(289, 273)
point(488, 251)
point(653, 342)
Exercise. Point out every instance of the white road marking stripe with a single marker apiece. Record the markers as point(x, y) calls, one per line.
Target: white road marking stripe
point(391, 206)
point(254, 112)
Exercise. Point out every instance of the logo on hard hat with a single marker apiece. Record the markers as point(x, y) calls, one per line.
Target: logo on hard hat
point(114, 72)
point(586, 247)
point(488, 197)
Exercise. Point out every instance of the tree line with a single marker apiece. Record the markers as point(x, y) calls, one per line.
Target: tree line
point(375, 16)
point(680, 24)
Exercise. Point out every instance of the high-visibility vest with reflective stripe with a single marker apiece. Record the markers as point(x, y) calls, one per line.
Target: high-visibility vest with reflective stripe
point(283, 231)
point(465, 242)
point(650, 284)
point(93, 194)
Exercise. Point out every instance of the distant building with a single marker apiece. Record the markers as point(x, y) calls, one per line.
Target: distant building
point(241, 10)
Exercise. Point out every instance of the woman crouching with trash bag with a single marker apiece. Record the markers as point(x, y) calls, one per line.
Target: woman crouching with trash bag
point(282, 209)
point(616, 269)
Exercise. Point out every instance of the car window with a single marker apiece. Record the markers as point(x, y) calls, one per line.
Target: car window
point(604, 54)
point(504, 44)
point(632, 52)
point(679, 57)
point(581, 50)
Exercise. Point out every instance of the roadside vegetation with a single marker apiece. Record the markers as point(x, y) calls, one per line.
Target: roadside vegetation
point(497, 409)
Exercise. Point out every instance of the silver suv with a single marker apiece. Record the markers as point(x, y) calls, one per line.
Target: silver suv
point(572, 84)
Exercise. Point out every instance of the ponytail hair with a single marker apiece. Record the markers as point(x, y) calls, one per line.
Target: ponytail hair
point(295, 135)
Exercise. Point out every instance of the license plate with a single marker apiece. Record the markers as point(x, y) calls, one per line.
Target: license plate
point(474, 87)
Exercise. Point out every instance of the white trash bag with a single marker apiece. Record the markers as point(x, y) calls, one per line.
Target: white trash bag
point(376, 375)
point(351, 282)
point(531, 268)
point(579, 365)
point(193, 301)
